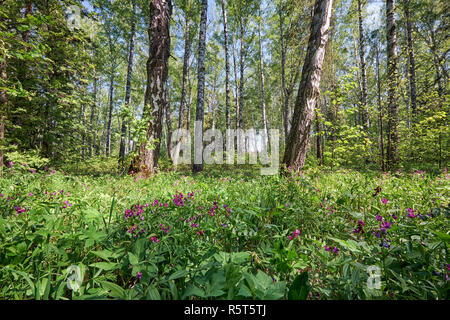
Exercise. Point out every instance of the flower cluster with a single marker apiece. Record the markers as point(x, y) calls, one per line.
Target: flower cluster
point(164, 228)
point(421, 173)
point(67, 204)
point(294, 234)
point(330, 210)
point(19, 210)
point(334, 250)
point(385, 226)
point(136, 211)
point(179, 199)
point(212, 210)
point(382, 232)
point(359, 228)
point(136, 215)
point(136, 230)
point(156, 203)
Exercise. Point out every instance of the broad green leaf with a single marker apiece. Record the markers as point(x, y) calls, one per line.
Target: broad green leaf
point(299, 288)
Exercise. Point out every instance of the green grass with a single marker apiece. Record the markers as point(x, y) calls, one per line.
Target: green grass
point(246, 255)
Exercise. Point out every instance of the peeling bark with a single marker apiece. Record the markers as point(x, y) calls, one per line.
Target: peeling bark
point(308, 93)
point(201, 76)
point(156, 92)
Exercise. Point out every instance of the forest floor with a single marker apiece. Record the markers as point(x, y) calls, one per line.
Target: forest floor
point(224, 235)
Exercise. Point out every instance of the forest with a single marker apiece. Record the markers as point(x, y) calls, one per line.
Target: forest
point(224, 150)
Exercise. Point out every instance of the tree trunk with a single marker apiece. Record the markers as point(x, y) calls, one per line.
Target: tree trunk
point(108, 128)
point(185, 80)
point(285, 94)
point(198, 167)
point(227, 67)
point(263, 91)
point(242, 69)
point(319, 152)
point(364, 106)
point(156, 92)
point(358, 76)
point(83, 130)
point(128, 85)
point(92, 135)
point(380, 107)
point(3, 110)
point(236, 81)
point(392, 81)
point(411, 62)
point(308, 93)
point(189, 104)
point(169, 128)
point(111, 89)
point(187, 56)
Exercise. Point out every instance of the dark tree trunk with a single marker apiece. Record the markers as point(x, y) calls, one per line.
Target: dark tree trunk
point(189, 104)
point(201, 82)
point(111, 103)
point(392, 82)
point(83, 131)
point(308, 93)
point(156, 92)
point(187, 56)
point(123, 130)
point(93, 133)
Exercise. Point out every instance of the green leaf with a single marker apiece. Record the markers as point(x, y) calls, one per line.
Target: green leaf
point(240, 257)
point(299, 288)
point(443, 236)
point(107, 266)
point(104, 254)
point(47, 287)
point(133, 259)
point(192, 290)
point(178, 274)
point(153, 294)
point(114, 290)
